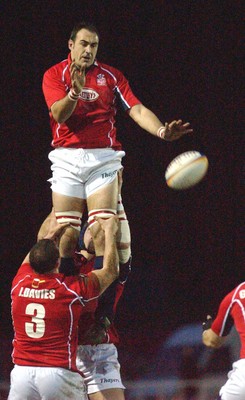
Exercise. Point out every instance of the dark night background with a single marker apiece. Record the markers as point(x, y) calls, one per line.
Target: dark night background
point(183, 60)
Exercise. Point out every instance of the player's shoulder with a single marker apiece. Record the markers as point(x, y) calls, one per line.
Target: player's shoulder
point(240, 290)
point(25, 271)
point(108, 68)
point(83, 284)
point(237, 293)
point(25, 268)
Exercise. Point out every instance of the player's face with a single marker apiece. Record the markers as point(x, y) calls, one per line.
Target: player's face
point(84, 48)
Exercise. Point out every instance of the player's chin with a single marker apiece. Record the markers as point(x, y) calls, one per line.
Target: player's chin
point(86, 64)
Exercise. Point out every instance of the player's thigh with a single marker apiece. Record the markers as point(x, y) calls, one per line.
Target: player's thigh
point(103, 204)
point(105, 197)
point(67, 203)
point(108, 394)
point(22, 384)
point(101, 370)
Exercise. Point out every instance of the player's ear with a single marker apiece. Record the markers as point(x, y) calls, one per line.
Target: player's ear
point(70, 44)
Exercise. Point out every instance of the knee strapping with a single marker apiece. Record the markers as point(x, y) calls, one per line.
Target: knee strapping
point(123, 240)
point(72, 217)
point(120, 206)
point(100, 213)
point(124, 255)
point(123, 233)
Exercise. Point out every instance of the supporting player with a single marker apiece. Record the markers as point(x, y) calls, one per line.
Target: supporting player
point(46, 307)
point(97, 356)
point(231, 311)
point(98, 336)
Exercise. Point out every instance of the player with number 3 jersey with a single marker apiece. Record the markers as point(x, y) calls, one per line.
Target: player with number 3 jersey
point(46, 307)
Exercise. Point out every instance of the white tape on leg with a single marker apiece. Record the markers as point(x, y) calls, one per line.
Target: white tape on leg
point(100, 213)
point(72, 217)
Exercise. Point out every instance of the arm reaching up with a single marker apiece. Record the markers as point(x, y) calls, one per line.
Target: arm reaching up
point(110, 269)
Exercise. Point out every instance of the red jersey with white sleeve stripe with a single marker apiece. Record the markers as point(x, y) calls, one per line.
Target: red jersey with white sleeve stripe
point(92, 123)
point(45, 311)
point(232, 308)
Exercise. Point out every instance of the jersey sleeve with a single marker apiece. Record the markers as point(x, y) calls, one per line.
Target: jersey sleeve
point(224, 321)
point(53, 87)
point(124, 92)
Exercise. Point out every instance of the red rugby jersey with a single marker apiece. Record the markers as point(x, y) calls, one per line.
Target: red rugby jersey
point(92, 124)
point(233, 305)
point(88, 319)
point(45, 311)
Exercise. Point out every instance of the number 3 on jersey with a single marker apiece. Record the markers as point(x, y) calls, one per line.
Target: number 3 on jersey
point(36, 328)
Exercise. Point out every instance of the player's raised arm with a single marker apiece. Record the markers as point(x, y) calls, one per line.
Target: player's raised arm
point(147, 120)
point(63, 109)
point(110, 270)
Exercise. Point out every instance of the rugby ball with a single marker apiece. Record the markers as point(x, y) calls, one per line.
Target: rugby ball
point(186, 170)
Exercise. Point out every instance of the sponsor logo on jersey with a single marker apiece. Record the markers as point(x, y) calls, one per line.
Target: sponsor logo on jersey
point(242, 294)
point(104, 380)
point(108, 174)
point(37, 294)
point(101, 81)
point(89, 95)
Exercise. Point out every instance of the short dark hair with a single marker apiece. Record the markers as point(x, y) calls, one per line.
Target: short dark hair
point(44, 256)
point(83, 25)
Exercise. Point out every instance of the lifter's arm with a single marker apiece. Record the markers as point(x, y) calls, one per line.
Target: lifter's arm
point(110, 269)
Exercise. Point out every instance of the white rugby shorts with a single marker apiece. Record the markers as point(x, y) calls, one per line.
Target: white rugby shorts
point(81, 172)
point(100, 367)
point(234, 388)
point(37, 383)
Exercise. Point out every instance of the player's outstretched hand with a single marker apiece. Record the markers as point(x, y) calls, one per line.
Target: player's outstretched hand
point(176, 129)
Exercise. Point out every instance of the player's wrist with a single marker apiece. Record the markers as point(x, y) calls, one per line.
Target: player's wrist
point(72, 95)
point(161, 132)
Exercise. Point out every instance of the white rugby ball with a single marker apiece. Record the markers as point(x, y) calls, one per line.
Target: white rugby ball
point(186, 170)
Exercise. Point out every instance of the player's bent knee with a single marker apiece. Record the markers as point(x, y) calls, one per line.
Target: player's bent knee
point(68, 242)
point(71, 217)
point(123, 239)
